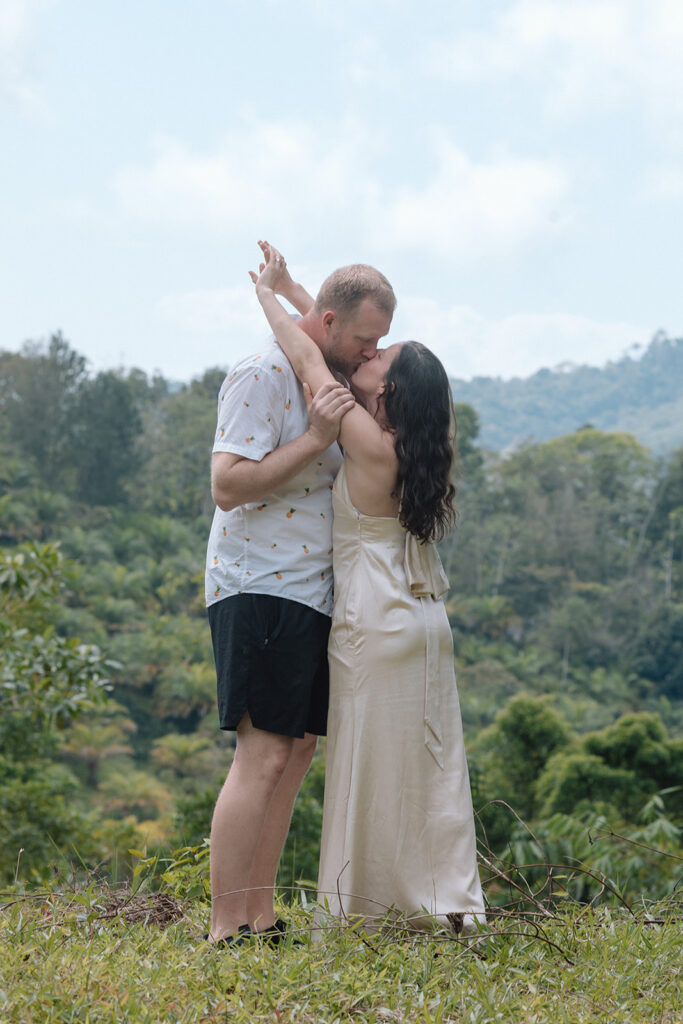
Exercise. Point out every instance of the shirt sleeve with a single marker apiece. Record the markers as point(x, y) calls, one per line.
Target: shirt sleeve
point(251, 407)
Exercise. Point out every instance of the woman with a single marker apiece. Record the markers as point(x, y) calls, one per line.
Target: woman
point(398, 828)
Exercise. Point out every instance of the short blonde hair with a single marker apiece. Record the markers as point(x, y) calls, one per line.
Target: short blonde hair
point(345, 289)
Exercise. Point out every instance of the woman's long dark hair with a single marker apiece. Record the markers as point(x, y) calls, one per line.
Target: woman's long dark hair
point(419, 409)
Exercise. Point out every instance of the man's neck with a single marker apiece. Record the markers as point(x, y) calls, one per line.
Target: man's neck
point(312, 326)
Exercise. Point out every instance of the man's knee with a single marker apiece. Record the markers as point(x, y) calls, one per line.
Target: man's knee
point(303, 751)
point(264, 756)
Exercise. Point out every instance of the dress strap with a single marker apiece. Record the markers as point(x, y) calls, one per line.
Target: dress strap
point(428, 582)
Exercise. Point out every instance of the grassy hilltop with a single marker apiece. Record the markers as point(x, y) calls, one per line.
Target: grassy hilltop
point(566, 607)
point(66, 958)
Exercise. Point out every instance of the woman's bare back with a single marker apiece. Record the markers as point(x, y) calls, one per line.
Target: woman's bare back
point(371, 483)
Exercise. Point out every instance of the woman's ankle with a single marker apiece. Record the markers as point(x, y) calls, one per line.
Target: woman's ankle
point(262, 919)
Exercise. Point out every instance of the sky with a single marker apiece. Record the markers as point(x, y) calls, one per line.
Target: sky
point(514, 167)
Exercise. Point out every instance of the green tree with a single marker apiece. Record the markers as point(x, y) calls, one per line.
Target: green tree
point(621, 766)
point(669, 497)
point(574, 781)
point(45, 682)
point(489, 617)
point(95, 739)
point(468, 429)
point(131, 791)
point(176, 450)
point(516, 748)
point(39, 395)
point(109, 424)
point(184, 757)
point(658, 653)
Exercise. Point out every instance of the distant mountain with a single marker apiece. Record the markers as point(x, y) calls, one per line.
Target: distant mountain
point(643, 396)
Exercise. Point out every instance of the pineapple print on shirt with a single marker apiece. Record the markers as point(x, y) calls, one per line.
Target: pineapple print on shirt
point(282, 543)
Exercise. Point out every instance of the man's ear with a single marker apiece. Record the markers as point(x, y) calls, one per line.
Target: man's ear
point(328, 318)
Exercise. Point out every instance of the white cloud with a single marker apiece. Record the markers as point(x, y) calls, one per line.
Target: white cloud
point(278, 174)
point(350, 14)
point(13, 26)
point(211, 311)
point(532, 37)
point(368, 68)
point(296, 181)
point(471, 344)
point(663, 184)
point(222, 325)
point(469, 209)
point(582, 56)
point(17, 18)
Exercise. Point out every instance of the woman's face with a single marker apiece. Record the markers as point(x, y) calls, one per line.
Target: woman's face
point(368, 380)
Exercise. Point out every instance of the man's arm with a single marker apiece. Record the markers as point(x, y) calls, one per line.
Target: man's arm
point(298, 297)
point(288, 288)
point(236, 480)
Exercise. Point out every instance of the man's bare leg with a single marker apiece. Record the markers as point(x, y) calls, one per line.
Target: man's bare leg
point(238, 820)
point(260, 910)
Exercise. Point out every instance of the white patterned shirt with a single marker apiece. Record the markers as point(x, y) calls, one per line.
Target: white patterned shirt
point(282, 543)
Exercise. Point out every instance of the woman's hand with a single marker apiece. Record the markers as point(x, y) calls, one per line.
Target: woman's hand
point(326, 410)
point(273, 271)
point(273, 274)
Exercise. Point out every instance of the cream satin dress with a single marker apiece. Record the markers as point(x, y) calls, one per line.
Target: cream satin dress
point(398, 828)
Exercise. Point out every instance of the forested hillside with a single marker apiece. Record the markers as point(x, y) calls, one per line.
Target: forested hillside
point(642, 396)
point(566, 605)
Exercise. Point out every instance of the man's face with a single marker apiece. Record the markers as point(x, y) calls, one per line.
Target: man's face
point(354, 341)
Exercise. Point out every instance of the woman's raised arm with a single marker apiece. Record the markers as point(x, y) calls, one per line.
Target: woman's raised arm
point(285, 285)
point(306, 358)
point(360, 435)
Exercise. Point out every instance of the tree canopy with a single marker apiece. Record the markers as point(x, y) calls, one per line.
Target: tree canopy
point(566, 607)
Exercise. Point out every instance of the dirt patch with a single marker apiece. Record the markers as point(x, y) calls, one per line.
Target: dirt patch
point(158, 908)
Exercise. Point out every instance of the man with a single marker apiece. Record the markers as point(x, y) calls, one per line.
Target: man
point(269, 583)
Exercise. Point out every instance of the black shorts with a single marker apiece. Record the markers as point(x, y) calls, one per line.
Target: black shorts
point(271, 660)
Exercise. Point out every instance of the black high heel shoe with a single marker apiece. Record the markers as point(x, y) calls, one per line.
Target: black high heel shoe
point(230, 941)
point(276, 934)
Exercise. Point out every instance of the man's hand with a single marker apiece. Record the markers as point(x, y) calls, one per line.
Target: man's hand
point(326, 411)
point(236, 480)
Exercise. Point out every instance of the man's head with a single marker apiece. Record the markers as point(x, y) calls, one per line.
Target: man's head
point(354, 307)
